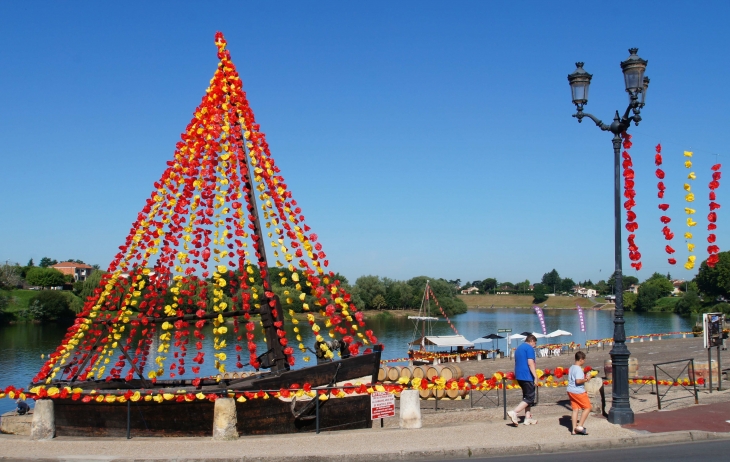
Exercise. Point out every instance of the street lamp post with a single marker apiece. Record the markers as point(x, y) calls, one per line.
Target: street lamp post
point(636, 86)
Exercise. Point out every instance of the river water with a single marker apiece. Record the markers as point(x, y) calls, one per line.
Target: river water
point(22, 345)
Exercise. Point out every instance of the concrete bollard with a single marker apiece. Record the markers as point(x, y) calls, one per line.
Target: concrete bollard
point(594, 388)
point(651, 339)
point(632, 341)
point(410, 409)
point(225, 420)
point(641, 340)
point(43, 426)
point(684, 335)
point(659, 338)
point(479, 357)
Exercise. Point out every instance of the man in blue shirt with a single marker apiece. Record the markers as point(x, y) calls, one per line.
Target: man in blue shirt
point(526, 376)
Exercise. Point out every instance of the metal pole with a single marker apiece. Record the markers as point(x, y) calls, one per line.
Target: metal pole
point(620, 412)
point(719, 369)
point(694, 381)
point(658, 397)
point(504, 398)
point(129, 420)
point(709, 365)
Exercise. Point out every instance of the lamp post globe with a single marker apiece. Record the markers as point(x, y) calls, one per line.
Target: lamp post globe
point(636, 86)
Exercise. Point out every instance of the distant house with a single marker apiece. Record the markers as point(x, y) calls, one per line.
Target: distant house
point(677, 284)
point(470, 290)
point(585, 292)
point(633, 288)
point(80, 271)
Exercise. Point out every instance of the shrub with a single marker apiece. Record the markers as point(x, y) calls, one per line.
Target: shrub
point(49, 304)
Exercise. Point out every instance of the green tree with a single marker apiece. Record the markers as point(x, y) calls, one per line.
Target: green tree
point(539, 298)
point(46, 262)
point(489, 284)
point(629, 301)
point(44, 277)
point(92, 282)
point(551, 279)
point(379, 302)
point(663, 285)
point(648, 294)
point(399, 295)
point(30, 263)
point(523, 286)
point(602, 287)
point(9, 276)
point(715, 282)
point(48, 305)
point(566, 285)
point(368, 287)
point(689, 303)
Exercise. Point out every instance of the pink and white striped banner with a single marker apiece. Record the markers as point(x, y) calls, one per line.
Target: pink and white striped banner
point(580, 316)
point(541, 317)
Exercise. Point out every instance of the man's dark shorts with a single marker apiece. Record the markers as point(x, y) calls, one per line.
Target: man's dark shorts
point(528, 391)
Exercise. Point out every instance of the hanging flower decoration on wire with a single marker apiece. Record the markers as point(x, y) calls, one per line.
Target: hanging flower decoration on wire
point(713, 249)
point(668, 234)
point(689, 198)
point(433, 296)
point(630, 203)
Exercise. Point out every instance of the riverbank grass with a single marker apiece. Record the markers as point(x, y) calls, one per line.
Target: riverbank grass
point(523, 301)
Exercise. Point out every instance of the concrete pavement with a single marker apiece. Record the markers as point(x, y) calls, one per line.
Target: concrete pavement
point(457, 439)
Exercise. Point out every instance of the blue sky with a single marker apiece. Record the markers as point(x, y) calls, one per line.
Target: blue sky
point(417, 138)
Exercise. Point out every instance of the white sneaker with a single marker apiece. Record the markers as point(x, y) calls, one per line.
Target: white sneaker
point(512, 415)
point(530, 422)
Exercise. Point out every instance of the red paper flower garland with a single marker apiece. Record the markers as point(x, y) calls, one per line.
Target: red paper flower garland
point(431, 294)
point(630, 194)
point(668, 234)
point(713, 249)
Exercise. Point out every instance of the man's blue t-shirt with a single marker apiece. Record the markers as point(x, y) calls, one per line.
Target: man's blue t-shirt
point(522, 369)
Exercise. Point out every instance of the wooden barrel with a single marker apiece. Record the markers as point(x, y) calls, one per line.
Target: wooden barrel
point(425, 394)
point(453, 394)
point(432, 371)
point(451, 371)
point(405, 372)
point(393, 373)
point(418, 371)
point(633, 367)
point(382, 373)
point(439, 394)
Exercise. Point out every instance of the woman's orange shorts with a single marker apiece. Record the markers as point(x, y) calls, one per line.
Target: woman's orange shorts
point(579, 401)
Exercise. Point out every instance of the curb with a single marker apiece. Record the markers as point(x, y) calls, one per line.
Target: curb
point(654, 439)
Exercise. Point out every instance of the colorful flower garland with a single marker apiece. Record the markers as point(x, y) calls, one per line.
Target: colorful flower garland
point(713, 249)
point(433, 296)
point(668, 235)
point(630, 203)
point(689, 197)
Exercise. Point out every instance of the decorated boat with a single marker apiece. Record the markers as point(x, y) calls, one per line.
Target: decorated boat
point(427, 348)
point(220, 243)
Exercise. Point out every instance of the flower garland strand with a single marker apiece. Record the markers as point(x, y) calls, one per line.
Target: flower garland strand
point(431, 294)
point(713, 249)
point(630, 195)
point(668, 234)
point(689, 198)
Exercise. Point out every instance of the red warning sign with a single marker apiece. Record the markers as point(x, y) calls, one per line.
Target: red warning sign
point(382, 404)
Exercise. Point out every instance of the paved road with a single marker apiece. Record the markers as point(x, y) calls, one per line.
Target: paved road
point(713, 450)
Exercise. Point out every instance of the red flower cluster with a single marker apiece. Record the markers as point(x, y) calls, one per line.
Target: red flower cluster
point(713, 249)
point(630, 195)
point(668, 235)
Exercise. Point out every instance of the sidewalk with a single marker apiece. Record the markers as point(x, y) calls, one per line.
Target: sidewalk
point(458, 438)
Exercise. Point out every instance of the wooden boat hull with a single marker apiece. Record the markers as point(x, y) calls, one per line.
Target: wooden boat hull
point(195, 418)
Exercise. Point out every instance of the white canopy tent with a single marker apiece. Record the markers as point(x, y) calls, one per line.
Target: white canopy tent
point(522, 337)
point(558, 333)
point(444, 341)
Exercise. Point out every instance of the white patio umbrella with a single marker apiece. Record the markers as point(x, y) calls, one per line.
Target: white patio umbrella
point(482, 340)
point(558, 333)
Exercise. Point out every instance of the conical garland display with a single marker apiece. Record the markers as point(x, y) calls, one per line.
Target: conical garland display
point(197, 253)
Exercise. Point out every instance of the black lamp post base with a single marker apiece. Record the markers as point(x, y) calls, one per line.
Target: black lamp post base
point(621, 416)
